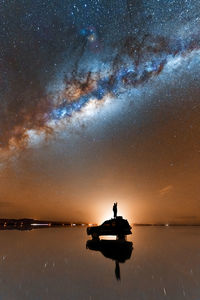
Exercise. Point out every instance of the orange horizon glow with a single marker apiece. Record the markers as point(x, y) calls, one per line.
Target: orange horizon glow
point(106, 211)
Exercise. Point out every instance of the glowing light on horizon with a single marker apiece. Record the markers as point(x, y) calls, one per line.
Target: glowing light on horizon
point(108, 237)
point(107, 212)
point(36, 224)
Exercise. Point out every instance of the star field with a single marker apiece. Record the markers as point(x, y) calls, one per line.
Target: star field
point(110, 91)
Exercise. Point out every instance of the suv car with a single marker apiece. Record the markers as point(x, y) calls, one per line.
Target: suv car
point(118, 226)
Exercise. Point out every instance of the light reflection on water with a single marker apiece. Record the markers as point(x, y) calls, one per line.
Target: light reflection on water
point(54, 263)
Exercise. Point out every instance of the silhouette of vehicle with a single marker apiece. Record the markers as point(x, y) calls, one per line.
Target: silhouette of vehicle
point(117, 226)
point(117, 250)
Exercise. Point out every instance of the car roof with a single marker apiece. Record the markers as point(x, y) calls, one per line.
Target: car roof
point(117, 220)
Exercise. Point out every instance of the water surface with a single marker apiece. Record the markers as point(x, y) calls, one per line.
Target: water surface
point(54, 263)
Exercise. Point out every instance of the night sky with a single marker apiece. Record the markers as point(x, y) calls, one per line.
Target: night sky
point(100, 103)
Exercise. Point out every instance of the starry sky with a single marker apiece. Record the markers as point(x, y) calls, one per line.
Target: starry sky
point(100, 103)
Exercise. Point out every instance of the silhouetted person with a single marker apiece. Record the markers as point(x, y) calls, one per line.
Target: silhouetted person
point(117, 270)
point(115, 209)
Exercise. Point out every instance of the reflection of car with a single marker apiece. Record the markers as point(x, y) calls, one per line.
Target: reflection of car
point(116, 250)
point(119, 251)
point(118, 226)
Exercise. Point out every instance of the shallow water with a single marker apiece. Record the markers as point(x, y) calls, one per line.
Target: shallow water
point(54, 263)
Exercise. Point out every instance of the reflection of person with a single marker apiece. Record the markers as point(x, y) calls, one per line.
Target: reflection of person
point(117, 270)
point(115, 209)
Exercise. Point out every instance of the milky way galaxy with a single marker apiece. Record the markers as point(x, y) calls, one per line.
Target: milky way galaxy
point(103, 96)
point(94, 61)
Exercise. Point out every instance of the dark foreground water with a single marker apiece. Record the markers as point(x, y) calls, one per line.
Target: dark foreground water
point(55, 264)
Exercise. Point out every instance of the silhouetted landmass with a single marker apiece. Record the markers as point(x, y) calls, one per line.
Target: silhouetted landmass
point(166, 225)
point(29, 224)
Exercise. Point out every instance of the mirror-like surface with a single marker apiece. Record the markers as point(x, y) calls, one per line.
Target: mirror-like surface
point(54, 264)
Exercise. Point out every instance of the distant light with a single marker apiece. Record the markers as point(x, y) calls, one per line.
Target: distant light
point(167, 224)
point(36, 224)
point(109, 237)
